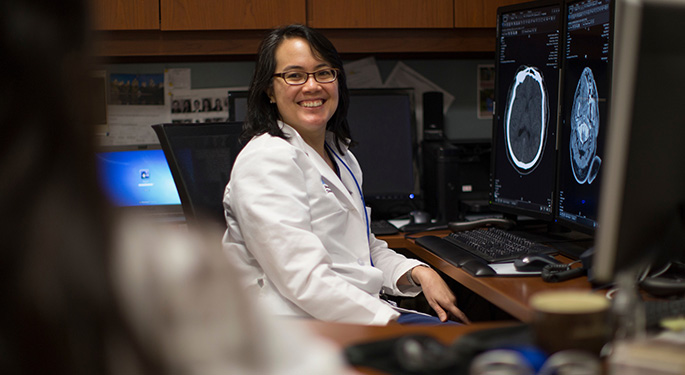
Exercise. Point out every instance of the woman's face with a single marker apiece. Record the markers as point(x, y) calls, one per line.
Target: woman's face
point(307, 107)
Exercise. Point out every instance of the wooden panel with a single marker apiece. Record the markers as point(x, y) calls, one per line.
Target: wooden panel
point(478, 13)
point(412, 41)
point(181, 43)
point(337, 14)
point(245, 42)
point(126, 14)
point(230, 14)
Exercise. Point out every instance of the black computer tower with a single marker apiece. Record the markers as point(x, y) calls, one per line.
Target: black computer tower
point(452, 174)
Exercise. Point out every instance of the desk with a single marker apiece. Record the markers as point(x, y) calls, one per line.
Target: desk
point(510, 294)
point(343, 335)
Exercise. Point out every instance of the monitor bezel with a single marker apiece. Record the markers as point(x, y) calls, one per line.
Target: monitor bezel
point(634, 225)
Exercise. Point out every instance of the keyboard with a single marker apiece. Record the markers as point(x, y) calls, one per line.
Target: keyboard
point(657, 310)
point(495, 245)
point(382, 227)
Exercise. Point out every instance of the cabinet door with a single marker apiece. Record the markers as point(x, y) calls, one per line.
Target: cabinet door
point(125, 14)
point(478, 13)
point(369, 14)
point(230, 14)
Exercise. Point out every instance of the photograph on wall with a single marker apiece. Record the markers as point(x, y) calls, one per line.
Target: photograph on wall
point(136, 89)
point(486, 91)
point(199, 105)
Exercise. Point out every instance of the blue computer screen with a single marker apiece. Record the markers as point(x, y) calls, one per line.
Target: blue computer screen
point(137, 178)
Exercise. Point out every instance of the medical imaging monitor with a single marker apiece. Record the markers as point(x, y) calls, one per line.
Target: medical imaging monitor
point(642, 197)
point(523, 171)
point(586, 89)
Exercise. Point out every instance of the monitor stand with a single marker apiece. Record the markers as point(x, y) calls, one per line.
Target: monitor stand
point(627, 308)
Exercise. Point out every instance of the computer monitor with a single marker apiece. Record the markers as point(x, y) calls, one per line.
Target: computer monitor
point(585, 97)
point(137, 178)
point(523, 170)
point(383, 123)
point(201, 158)
point(237, 105)
point(643, 192)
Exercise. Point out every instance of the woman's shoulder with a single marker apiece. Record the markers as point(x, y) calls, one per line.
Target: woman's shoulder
point(268, 149)
point(267, 143)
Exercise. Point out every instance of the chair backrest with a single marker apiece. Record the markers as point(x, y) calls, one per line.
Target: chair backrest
point(200, 158)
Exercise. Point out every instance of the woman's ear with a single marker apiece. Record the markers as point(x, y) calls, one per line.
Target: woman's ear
point(270, 94)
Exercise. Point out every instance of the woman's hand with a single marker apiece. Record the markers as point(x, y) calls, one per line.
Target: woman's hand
point(438, 294)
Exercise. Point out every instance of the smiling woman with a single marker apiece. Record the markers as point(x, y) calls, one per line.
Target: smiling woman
point(298, 226)
point(303, 103)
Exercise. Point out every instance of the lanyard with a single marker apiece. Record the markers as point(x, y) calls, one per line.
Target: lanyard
point(361, 194)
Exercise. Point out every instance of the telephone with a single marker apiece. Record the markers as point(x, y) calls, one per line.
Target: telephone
point(554, 273)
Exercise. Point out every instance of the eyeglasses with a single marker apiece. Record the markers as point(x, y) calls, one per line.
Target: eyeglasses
point(296, 78)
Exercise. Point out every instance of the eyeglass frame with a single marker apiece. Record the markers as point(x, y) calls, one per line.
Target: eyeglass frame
point(281, 75)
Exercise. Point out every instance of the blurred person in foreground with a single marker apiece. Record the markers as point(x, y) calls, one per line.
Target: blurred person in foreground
point(85, 291)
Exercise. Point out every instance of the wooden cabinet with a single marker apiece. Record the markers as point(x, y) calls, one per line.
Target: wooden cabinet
point(373, 14)
point(230, 14)
point(140, 28)
point(126, 14)
point(478, 13)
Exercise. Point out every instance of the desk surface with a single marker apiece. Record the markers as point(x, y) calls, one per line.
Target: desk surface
point(510, 294)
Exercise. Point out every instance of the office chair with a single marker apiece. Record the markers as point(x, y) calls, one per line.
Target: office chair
point(200, 158)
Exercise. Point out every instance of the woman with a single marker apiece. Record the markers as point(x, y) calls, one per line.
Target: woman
point(298, 228)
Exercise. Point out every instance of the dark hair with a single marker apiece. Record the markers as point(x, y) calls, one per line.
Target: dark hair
point(262, 116)
point(60, 311)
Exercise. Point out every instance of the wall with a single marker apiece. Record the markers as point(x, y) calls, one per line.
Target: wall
point(458, 77)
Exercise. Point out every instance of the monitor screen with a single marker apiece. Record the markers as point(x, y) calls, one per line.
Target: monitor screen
point(642, 205)
point(136, 177)
point(523, 171)
point(586, 89)
point(382, 122)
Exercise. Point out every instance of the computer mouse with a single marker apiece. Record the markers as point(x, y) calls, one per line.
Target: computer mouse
point(534, 262)
point(419, 217)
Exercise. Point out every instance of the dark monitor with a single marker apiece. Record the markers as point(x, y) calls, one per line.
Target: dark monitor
point(586, 89)
point(137, 178)
point(201, 158)
point(382, 122)
point(643, 189)
point(237, 105)
point(523, 170)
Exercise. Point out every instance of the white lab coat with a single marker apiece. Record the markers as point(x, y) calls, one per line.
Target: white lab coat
point(298, 234)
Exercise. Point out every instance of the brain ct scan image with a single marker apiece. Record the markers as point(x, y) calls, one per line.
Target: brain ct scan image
point(585, 129)
point(526, 117)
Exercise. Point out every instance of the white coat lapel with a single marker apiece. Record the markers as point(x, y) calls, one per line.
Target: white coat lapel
point(329, 178)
